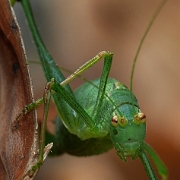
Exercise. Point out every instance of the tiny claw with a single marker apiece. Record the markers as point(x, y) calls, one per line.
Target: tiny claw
point(120, 152)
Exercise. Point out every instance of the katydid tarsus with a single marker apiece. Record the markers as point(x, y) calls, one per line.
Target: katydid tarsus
point(96, 117)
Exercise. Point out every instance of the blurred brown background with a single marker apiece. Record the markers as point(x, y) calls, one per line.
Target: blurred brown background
point(76, 31)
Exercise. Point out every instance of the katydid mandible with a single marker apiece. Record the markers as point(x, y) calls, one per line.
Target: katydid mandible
point(96, 117)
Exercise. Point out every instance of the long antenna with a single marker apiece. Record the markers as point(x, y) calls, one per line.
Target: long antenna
point(156, 13)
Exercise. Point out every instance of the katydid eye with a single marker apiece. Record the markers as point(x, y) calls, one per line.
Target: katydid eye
point(122, 121)
point(114, 121)
point(140, 118)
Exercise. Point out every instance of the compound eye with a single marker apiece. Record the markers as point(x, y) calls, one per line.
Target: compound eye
point(114, 121)
point(122, 121)
point(140, 118)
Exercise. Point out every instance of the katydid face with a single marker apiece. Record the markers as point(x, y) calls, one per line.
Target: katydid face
point(127, 132)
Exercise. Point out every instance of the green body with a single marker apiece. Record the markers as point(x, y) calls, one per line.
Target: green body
point(99, 115)
point(118, 100)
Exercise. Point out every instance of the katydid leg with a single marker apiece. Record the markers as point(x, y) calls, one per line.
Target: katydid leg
point(52, 71)
point(26, 110)
point(162, 170)
point(46, 99)
point(147, 166)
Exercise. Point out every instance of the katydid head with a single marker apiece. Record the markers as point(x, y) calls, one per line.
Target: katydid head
point(127, 134)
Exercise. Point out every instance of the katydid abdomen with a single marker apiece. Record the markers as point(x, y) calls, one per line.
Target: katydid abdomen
point(118, 103)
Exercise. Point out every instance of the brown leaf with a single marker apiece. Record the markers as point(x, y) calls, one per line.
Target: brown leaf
point(18, 141)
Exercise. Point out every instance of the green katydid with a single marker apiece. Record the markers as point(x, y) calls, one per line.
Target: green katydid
point(106, 116)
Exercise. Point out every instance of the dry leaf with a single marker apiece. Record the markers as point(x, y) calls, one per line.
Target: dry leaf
point(18, 141)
